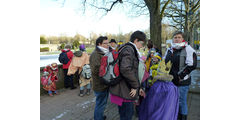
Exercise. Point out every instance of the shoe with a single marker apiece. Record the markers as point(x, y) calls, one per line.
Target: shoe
point(88, 91)
point(184, 117)
point(56, 93)
point(73, 88)
point(51, 94)
point(81, 93)
point(179, 116)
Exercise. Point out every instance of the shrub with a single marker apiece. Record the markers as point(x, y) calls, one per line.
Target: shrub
point(45, 49)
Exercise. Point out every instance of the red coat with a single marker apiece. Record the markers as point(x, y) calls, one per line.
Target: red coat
point(70, 56)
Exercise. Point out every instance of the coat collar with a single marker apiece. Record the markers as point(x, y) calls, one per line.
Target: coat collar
point(99, 51)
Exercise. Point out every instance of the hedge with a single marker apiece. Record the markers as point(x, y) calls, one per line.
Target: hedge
point(45, 49)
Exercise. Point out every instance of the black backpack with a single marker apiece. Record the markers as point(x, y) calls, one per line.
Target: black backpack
point(63, 58)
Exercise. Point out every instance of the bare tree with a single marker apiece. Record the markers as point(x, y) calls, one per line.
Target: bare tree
point(153, 8)
point(186, 15)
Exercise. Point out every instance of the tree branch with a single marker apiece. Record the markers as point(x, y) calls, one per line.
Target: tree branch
point(197, 5)
point(107, 9)
point(163, 9)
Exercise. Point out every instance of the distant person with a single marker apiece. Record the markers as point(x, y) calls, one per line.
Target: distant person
point(82, 48)
point(126, 91)
point(49, 78)
point(184, 61)
point(79, 63)
point(119, 44)
point(100, 89)
point(152, 49)
point(65, 58)
point(113, 44)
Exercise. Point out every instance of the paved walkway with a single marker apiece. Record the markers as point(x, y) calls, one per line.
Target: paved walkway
point(69, 106)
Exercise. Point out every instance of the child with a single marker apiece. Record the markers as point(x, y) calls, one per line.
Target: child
point(152, 71)
point(49, 78)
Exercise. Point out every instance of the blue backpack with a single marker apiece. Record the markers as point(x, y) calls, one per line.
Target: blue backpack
point(63, 58)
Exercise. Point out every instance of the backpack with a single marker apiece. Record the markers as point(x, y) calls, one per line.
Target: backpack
point(63, 58)
point(109, 72)
point(86, 71)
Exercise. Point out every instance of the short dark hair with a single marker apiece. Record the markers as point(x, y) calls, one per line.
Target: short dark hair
point(150, 44)
point(141, 36)
point(68, 47)
point(100, 40)
point(112, 40)
point(178, 32)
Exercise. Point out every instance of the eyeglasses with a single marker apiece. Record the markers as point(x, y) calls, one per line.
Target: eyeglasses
point(142, 43)
point(105, 43)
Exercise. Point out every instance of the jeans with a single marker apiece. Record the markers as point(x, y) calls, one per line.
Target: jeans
point(126, 111)
point(101, 102)
point(50, 92)
point(183, 91)
point(68, 79)
point(88, 86)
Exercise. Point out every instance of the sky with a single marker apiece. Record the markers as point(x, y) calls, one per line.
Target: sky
point(69, 20)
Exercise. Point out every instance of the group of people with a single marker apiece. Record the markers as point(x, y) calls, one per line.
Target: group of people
point(75, 62)
point(158, 92)
point(156, 85)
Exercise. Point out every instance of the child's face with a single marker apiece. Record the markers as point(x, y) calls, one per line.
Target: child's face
point(155, 60)
point(152, 54)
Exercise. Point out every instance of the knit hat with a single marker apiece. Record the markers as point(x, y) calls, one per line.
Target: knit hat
point(53, 66)
point(82, 47)
point(157, 56)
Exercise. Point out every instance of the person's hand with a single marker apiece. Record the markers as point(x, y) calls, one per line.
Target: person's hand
point(180, 78)
point(133, 92)
point(141, 92)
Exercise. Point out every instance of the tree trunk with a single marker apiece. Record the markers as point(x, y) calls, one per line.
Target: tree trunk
point(155, 22)
point(155, 30)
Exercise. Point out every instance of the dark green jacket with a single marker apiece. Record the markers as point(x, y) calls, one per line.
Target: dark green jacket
point(95, 60)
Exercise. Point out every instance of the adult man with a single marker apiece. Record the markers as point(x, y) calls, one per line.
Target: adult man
point(68, 79)
point(184, 60)
point(100, 89)
point(126, 91)
point(113, 44)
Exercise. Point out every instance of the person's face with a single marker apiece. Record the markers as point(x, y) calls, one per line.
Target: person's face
point(177, 38)
point(139, 44)
point(113, 44)
point(152, 54)
point(104, 44)
point(155, 60)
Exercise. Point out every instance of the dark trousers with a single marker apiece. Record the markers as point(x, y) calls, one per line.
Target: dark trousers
point(126, 111)
point(68, 79)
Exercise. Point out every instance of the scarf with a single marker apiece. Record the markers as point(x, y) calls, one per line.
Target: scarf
point(179, 45)
point(139, 54)
point(103, 49)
